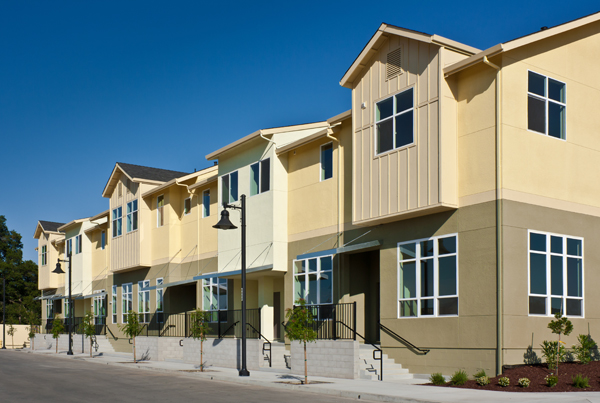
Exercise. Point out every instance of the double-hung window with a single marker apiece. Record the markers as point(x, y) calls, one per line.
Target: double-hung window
point(326, 161)
point(555, 274)
point(160, 211)
point(114, 304)
point(103, 240)
point(99, 308)
point(127, 300)
point(117, 217)
point(229, 188)
point(206, 203)
point(144, 301)
point(394, 121)
point(187, 206)
point(132, 216)
point(78, 244)
point(313, 280)
point(260, 177)
point(69, 246)
point(159, 300)
point(428, 277)
point(546, 106)
point(44, 255)
point(214, 298)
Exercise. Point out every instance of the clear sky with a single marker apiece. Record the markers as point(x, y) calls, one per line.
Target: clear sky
point(85, 84)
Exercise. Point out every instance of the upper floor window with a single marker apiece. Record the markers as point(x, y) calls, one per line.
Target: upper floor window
point(44, 255)
point(69, 246)
point(229, 188)
point(206, 203)
point(132, 215)
point(117, 217)
point(326, 161)
point(428, 277)
point(555, 274)
point(260, 177)
point(313, 280)
point(394, 121)
point(78, 244)
point(547, 106)
point(103, 240)
point(187, 206)
point(160, 213)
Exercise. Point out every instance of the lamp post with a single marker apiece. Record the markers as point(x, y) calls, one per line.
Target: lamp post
point(224, 223)
point(58, 270)
point(4, 312)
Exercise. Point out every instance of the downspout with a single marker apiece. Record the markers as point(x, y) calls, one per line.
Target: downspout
point(499, 241)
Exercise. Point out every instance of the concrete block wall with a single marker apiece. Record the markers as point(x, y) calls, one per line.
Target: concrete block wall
point(43, 342)
point(158, 348)
point(336, 359)
point(224, 353)
point(81, 344)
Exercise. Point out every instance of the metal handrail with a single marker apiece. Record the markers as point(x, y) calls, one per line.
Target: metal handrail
point(380, 359)
point(226, 330)
point(142, 329)
point(111, 333)
point(402, 339)
point(266, 342)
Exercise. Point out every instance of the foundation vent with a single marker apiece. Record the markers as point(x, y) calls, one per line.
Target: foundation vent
point(394, 63)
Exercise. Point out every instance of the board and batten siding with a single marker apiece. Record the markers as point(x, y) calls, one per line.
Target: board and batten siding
point(125, 249)
point(405, 179)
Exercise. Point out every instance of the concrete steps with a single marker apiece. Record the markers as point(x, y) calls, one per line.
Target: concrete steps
point(370, 368)
point(104, 345)
point(278, 354)
point(120, 345)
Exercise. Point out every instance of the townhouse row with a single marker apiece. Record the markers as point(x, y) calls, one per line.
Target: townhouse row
point(454, 208)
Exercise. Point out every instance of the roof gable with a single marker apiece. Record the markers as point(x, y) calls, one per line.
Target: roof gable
point(139, 173)
point(46, 226)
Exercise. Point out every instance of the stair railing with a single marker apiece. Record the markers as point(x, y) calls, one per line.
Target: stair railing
point(226, 330)
point(111, 333)
point(377, 349)
point(423, 351)
point(264, 344)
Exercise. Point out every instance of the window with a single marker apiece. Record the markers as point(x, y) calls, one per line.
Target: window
point(229, 188)
point(326, 161)
point(66, 312)
point(144, 301)
point(159, 300)
point(132, 216)
point(69, 246)
point(428, 277)
point(214, 292)
point(260, 177)
point(44, 255)
point(99, 308)
point(394, 121)
point(103, 240)
point(187, 206)
point(313, 280)
point(78, 244)
point(49, 309)
point(555, 274)
point(126, 300)
point(546, 106)
point(206, 203)
point(114, 304)
point(117, 221)
point(160, 214)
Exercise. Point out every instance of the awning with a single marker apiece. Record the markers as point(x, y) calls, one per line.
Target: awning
point(173, 284)
point(53, 296)
point(344, 249)
point(234, 273)
point(97, 294)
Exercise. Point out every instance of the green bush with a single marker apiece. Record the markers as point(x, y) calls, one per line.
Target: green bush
point(524, 382)
point(504, 381)
point(580, 382)
point(437, 379)
point(460, 377)
point(479, 374)
point(482, 380)
point(551, 380)
point(583, 348)
point(550, 350)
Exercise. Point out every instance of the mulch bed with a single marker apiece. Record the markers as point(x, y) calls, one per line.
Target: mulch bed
point(302, 382)
point(537, 373)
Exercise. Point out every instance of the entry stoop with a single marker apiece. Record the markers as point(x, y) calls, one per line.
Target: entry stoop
point(278, 356)
point(369, 368)
point(104, 345)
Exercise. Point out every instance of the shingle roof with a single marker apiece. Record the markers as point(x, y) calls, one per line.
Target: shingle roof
point(155, 174)
point(51, 225)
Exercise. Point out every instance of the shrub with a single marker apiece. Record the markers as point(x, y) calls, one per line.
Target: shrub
point(479, 374)
point(552, 353)
point(437, 379)
point(524, 382)
point(460, 377)
point(551, 380)
point(504, 381)
point(583, 348)
point(580, 382)
point(483, 380)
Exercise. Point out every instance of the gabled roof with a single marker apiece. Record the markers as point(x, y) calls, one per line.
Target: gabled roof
point(381, 35)
point(139, 173)
point(71, 223)
point(178, 181)
point(519, 42)
point(47, 226)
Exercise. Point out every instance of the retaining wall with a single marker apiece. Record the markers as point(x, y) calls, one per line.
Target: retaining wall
point(336, 359)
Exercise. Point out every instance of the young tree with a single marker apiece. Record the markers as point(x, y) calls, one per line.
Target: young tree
point(560, 325)
point(199, 328)
point(31, 334)
point(57, 328)
point(132, 328)
point(300, 328)
point(89, 329)
point(11, 333)
point(32, 321)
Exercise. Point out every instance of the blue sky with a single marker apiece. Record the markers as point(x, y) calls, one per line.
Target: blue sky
point(86, 84)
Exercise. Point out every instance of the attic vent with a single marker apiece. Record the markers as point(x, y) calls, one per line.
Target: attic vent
point(394, 63)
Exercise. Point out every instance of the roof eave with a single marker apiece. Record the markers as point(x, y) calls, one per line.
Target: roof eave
point(74, 222)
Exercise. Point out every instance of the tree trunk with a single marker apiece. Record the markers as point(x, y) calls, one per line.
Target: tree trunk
point(134, 359)
point(305, 366)
point(91, 345)
point(557, 354)
point(56, 341)
point(201, 358)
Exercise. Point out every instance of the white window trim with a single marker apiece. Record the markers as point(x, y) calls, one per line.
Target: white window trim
point(44, 255)
point(548, 294)
point(114, 312)
point(163, 295)
point(413, 87)
point(118, 219)
point(190, 209)
point(204, 215)
point(436, 295)
point(123, 301)
point(321, 161)
point(546, 100)
point(306, 281)
point(228, 190)
point(211, 282)
point(161, 214)
point(145, 300)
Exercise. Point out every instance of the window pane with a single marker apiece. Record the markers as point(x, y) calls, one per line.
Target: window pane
point(426, 248)
point(537, 84)
point(448, 306)
point(222, 286)
point(574, 277)
point(556, 90)
point(426, 307)
point(299, 267)
point(556, 120)
point(206, 296)
point(556, 305)
point(404, 101)
point(254, 179)
point(312, 265)
point(325, 288)
point(385, 136)
point(574, 307)
point(408, 280)
point(574, 247)
point(404, 129)
point(312, 289)
point(326, 161)
point(408, 308)
point(427, 278)
point(536, 114)
point(447, 245)
point(556, 244)
point(299, 287)
point(214, 298)
point(225, 189)
point(233, 197)
point(537, 242)
point(447, 275)
point(537, 305)
point(384, 108)
point(408, 251)
point(326, 263)
point(206, 203)
point(537, 265)
point(265, 175)
point(556, 275)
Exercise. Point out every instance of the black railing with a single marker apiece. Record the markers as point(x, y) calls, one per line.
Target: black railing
point(266, 345)
point(77, 323)
point(403, 340)
point(334, 321)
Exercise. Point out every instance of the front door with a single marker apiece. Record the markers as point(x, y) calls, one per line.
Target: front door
point(276, 315)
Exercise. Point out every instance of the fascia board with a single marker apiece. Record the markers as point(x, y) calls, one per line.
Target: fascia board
point(341, 117)
point(112, 180)
point(305, 140)
point(370, 48)
point(74, 222)
point(203, 182)
point(475, 59)
point(454, 45)
point(99, 216)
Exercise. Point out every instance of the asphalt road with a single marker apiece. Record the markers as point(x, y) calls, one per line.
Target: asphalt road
point(37, 378)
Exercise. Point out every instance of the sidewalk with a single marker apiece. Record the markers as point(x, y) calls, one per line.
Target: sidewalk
point(407, 390)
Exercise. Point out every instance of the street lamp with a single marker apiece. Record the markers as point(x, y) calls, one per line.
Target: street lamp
point(3, 312)
point(224, 223)
point(58, 270)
